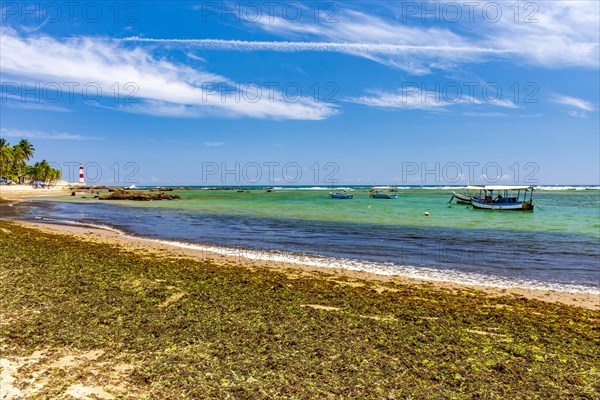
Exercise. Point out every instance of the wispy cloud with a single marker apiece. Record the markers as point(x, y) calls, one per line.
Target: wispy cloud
point(414, 49)
point(413, 100)
point(404, 56)
point(29, 134)
point(536, 115)
point(553, 34)
point(417, 99)
point(571, 26)
point(573, 102)
point(214, 144)
point(373, 48)
point(13, 101)
point(578, 114)
point(163, 87)
point(505, 103)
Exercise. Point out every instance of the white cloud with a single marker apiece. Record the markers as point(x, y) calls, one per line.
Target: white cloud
point(503, 103)
point(412, 100)
point(163, 87)
point(416, 99)
point(557, 33)
point(573, 102)
point(536, 115)
point(28, 134)
point(550, 34)
point(23, 102)
point(407, 57)
point(358, 48)
point(578, 114)
point(214, 144)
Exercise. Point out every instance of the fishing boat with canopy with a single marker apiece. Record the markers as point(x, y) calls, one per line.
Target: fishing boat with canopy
point(504, 198)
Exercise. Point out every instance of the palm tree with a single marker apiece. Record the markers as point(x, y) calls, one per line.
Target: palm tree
point(27, 148)
point(55, 175)
point(5, 157)
point(18, 162)
point(42, 171)
point(22, 152)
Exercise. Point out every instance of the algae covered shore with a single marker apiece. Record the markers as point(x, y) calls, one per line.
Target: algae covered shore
point(80, 316)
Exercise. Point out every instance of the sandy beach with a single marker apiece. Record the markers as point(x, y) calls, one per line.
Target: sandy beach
point(16, 192)
point(144, 245)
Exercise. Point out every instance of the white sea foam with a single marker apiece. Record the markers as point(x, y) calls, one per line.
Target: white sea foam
point(284, 188)
point(388, 269)
point(567, 188)
point(380, 268)
point(77, 223)
point(441, 187)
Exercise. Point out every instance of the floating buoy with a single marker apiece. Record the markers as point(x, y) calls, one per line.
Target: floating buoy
point(426, 214)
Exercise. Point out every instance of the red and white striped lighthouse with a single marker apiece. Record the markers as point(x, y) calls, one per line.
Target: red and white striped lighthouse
point(81, 179)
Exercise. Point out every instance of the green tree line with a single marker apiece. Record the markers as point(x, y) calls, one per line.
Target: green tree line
point(13, 164)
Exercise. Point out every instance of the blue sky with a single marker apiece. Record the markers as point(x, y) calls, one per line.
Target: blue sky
point(195, 93)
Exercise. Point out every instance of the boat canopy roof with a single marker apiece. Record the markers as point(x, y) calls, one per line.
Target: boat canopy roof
point(500, 187)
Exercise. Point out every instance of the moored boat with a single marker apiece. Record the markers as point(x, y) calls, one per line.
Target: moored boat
point(334, 195)
point(508, 198)
point(461, 198)
point(465, 198)
point(386, 192)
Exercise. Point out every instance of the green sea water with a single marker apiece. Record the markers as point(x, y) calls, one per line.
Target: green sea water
point(566, 211)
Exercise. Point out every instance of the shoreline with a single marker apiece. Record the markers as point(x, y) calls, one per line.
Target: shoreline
point(148, 245)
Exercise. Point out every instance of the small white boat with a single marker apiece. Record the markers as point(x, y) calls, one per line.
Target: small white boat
point(465, 198)
point(461, 198)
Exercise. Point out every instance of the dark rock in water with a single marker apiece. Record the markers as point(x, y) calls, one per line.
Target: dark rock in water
point(120, 194)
